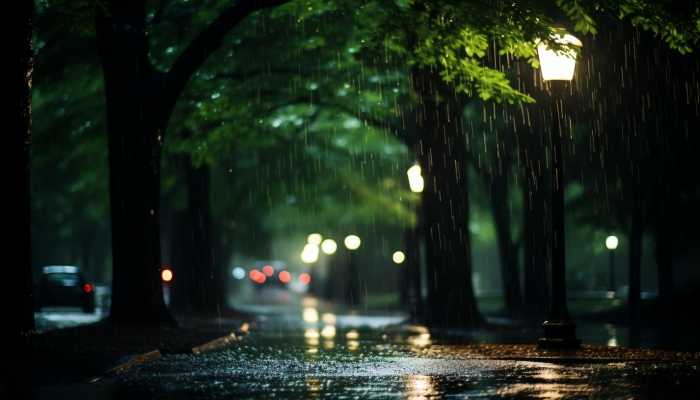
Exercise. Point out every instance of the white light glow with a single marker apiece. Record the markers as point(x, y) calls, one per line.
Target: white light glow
point(398, 257)
point(329, 246)
point(310, 315)
point(352, 242)
point(314, 238)
point(558, 65)
point(415, 179)
point(310, 253)
point(611, 242)
point(238, 273)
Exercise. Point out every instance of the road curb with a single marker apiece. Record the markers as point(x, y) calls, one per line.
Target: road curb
point(215, 344)
point(133, 361)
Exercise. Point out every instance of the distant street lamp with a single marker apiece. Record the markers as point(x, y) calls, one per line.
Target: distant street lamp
point(352, 243)
point(309, 254)
point(413, 287)
point(329, 246)
point(314, 238)
point(558, 69)
point(398, 257)
point(415, 179)
point(611, 243)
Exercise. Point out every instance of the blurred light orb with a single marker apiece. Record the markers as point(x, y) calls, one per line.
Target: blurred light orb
point(314, 238)
point(329, 246)
point(284, 276)
point(558, 65)
point(415, 179)
point(352, 242)
point(238, 273)
point(328, 332)
point(166, 275)
point(310, 253)
point(304, 278)
point(352, 334)
point(611, 242)
point(328, 318)
point(268, 270)
point(398, 257)
point(310, 315)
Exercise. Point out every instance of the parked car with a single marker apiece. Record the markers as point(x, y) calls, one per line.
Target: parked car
point(64, 285)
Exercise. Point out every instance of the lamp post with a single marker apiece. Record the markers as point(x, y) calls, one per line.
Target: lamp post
point(309, 256)
point(611, 243)
point(352, 243)
point(558, 69)
point(329, 247)
point(416, 184)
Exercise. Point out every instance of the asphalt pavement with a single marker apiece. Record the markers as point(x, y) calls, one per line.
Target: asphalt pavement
point(303, 349)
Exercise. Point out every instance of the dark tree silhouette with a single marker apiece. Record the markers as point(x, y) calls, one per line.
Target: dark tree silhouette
point(140, 100)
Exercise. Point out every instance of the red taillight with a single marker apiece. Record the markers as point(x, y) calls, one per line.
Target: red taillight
point(305, 278)
point(285, 277)
point(88, 288)
point(257, 276)
point(268, 270)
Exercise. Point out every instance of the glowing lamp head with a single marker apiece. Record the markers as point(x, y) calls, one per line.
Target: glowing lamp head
point(415, 179)
point(166, 275)
point(309, 254)
point(352, 242)
point(558, 65)
point(329, 246)
point(611, 242)
point(398, 257)
point(314, 238)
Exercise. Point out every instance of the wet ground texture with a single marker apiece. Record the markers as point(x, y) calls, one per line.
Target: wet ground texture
point(282, 359)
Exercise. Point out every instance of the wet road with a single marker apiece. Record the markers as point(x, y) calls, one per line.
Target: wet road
point(355, 364)
point(314, 354)
point(301, 349)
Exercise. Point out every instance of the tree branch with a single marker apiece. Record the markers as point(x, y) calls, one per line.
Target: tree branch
point(203, 45)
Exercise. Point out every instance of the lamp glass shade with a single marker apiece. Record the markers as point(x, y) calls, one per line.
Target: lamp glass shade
point(415, 179)
point(352, 242)
point(558, 65)
point(611, 242)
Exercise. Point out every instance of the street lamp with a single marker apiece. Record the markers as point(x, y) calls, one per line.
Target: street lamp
point(329, 246)
point(398, 257)
point(352, 243)
point(412, 288)
point(558, 69)
point(415, 179)
point(611, 243)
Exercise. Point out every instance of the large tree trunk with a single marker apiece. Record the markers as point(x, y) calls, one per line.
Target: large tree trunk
point(134, 140)
point(443, 159)
point(206, 283)
point(16, 302)
point(16, 294)
point(635, 272)
point(510, 276)
point(664, 239)
point(413, 273)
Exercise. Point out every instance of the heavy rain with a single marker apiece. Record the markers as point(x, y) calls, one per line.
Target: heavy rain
point(352, 199)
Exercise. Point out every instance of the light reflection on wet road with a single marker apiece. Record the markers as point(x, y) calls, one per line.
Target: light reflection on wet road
point(302, 349)
point(316, 358)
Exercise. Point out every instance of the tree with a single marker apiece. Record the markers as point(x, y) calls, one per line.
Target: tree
point(17, 301)
point(140, 99)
